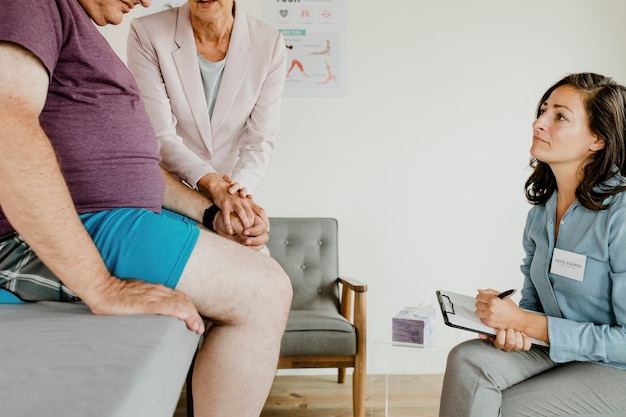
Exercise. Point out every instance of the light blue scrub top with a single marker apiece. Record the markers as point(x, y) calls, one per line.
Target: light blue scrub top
point(585, 318)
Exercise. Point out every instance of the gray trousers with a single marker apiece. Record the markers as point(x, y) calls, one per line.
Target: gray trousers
point(481, 381)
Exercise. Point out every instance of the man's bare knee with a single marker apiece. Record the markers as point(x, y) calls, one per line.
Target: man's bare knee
point(232, 284)
point(277, 289)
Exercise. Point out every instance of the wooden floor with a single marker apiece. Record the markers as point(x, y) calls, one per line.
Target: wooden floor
point(321, 396)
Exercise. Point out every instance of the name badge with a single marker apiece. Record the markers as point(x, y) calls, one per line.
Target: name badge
point(568, 264)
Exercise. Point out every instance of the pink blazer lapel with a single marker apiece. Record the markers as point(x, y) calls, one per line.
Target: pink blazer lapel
point(186, 61)
point(237, 65)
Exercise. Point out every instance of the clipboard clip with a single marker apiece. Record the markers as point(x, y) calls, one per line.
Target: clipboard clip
point(448, 307)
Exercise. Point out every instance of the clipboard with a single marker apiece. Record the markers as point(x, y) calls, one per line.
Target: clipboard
point(459, 311)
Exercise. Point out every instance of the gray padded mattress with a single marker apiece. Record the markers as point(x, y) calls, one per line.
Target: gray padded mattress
point(58, 359)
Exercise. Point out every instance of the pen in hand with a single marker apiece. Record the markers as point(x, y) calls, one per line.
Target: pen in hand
point(507, 293)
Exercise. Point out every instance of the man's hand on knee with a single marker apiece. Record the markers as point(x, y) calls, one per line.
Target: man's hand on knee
point(133, 296)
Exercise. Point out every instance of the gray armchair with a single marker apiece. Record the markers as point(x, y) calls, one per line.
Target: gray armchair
point(327, 322)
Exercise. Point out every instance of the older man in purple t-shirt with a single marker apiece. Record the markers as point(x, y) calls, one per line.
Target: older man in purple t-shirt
point(85, 206)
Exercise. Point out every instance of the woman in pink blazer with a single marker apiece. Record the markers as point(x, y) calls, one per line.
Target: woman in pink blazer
point(212, 80)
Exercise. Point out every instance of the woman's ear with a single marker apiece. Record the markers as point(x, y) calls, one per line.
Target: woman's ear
point(597, 144)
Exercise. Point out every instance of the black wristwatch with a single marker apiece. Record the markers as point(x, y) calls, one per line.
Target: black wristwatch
point(209, 216)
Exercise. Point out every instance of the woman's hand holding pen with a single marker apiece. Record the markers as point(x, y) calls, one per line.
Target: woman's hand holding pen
point(497, 310)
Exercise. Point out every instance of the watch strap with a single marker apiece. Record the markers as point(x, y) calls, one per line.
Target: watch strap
point(209, 217)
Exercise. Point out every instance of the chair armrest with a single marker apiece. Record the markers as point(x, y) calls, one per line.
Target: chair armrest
point(353, 309)
point(353, 284)
point(353, 300)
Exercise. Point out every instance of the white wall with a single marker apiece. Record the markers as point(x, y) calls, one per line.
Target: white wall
point(423, 163)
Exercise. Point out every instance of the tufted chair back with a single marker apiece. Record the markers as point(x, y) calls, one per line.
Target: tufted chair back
point(306, 248)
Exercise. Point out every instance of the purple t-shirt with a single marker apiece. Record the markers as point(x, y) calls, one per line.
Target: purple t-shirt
point(93, 114)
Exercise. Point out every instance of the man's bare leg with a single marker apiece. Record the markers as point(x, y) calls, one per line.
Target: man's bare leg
point(247, 295)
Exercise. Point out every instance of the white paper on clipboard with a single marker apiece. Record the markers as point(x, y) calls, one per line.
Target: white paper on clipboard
point(459, 311)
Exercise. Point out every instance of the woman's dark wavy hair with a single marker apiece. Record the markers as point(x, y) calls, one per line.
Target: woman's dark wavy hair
point(605, 104)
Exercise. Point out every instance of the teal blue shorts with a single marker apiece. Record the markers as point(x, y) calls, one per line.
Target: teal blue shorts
point(134, 243)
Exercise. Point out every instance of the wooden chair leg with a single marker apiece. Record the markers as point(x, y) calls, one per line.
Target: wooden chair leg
point(359, 384)
point(341, 375)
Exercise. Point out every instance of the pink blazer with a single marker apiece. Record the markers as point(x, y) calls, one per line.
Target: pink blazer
point(239, 138)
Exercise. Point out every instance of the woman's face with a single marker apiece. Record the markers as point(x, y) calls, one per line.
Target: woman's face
point(210, 11)
point(561, 134)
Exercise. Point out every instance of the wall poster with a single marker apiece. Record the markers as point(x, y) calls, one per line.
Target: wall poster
point(315, 33)
point(158, 5)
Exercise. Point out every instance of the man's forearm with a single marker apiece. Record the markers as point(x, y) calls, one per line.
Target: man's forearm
point(182, 199)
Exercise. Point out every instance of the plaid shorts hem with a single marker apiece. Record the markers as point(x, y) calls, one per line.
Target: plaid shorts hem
point(23, 274)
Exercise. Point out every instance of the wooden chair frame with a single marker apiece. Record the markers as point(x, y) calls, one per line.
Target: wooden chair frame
point(353, 308)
